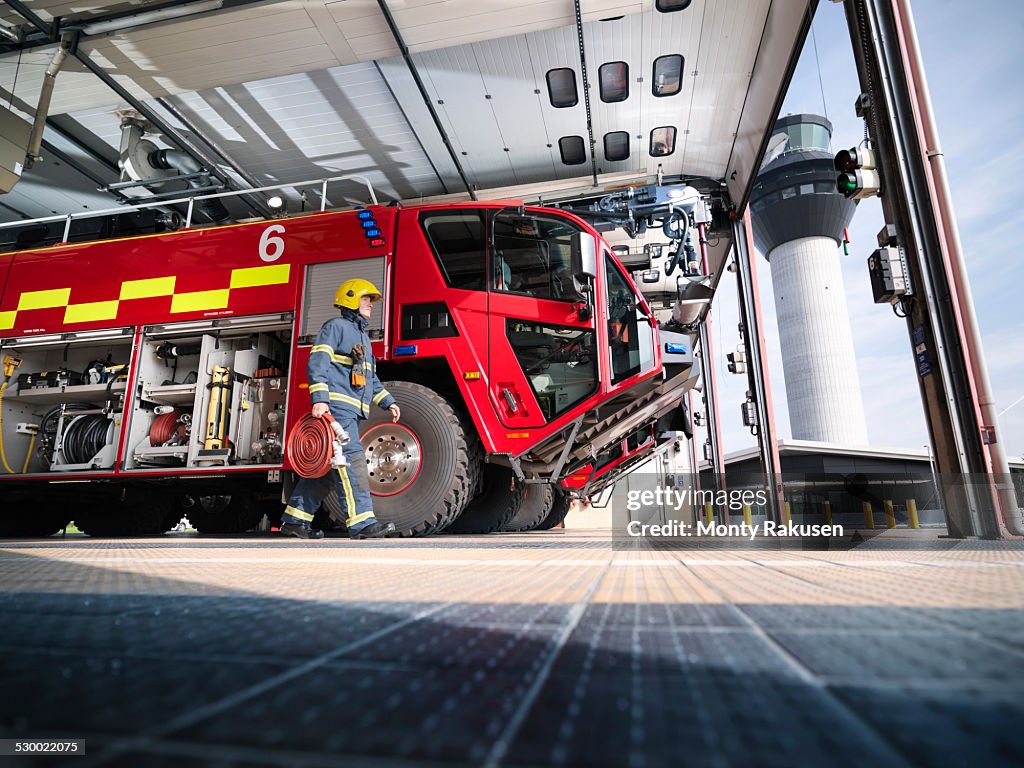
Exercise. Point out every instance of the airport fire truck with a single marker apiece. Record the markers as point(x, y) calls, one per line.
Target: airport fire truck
point(151, 376)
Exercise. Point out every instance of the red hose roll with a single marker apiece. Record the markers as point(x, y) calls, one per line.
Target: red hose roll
point(311, 446)
point(163, 428)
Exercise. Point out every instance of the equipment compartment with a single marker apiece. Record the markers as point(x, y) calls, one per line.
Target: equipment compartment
point(211, 394)
point(63, 400)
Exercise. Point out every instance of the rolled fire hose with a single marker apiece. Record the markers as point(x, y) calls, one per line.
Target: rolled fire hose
point(311, 445)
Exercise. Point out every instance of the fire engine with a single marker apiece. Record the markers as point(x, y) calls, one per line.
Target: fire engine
point(156, 375)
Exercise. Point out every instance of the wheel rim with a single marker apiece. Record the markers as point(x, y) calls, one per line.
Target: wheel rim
point(393, 458)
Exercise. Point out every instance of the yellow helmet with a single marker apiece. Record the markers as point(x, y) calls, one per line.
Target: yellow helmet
point(349, 293)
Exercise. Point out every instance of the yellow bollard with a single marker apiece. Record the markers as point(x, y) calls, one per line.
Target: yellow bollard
point(746, 514)
point(709, 513)
point(890, 516)
point(912, 513)
point(787, 513)
point(826, 508)
point(869, 518)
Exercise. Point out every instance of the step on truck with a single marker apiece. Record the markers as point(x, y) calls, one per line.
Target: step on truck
point(153, 376)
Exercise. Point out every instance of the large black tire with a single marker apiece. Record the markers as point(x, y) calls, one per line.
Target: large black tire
point(533, 511)
point(419, 468)
point(559, 509)
point(24, 517)
point(234, 513)
point(500, 499)
point(133, 514)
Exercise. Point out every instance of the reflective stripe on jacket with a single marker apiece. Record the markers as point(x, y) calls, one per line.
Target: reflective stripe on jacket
point(329, 371)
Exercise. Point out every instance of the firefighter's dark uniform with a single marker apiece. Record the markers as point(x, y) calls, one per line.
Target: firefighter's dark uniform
point(329, 372)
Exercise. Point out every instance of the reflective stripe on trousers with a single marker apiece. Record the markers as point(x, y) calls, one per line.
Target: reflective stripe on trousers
point(351, 483)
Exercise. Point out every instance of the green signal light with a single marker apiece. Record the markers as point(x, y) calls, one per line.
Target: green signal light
point(846, 183)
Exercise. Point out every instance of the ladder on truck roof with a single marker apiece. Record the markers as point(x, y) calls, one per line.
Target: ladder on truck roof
point(190, 202)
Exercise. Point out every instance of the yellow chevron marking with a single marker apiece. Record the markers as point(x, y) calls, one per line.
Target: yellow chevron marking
point(252, 277)
point(85, 313)
point(7, 320)
point(147, 289)
point(56, 297)
point(197, 300)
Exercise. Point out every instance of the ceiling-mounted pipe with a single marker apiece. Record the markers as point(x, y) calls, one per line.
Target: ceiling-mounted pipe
point(35, 140)
point(118, 23)
point(173, 159)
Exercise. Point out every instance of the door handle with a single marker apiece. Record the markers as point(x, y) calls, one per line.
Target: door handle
point(510, 400)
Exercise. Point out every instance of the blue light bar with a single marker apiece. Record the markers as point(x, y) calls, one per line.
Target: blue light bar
point(674, 348)
point(372, 233)
point(365, 214)
point(367, 223)
point(405, 349)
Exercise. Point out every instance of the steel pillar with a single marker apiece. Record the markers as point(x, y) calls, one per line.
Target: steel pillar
point(758, 379)
point(714, 423)
point(944, 355)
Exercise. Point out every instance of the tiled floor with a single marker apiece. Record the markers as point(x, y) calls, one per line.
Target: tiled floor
point(534, 649)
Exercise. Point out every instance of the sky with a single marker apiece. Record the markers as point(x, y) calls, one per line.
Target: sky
point(973, 66)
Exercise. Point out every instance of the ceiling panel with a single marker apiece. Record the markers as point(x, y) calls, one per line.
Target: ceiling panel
point(269, 39)
point(557, 49)
point(317, 124)
point(729, 46)
point(280, 88)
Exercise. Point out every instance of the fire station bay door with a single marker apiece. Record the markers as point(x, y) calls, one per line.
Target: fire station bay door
point(542, 354)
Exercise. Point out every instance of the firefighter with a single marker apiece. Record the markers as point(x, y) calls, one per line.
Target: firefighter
point(343, 379)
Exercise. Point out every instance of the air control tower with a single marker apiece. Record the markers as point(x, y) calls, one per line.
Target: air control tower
point(798, 219)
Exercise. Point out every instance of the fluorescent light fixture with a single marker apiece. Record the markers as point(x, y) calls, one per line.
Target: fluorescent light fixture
point(149, 17)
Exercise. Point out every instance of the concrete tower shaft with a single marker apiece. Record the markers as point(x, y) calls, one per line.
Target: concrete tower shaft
point(798, 218)
point(822, 385)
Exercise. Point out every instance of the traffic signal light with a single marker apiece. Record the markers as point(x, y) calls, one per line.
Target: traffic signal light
point(857, 175)
point(737, 361)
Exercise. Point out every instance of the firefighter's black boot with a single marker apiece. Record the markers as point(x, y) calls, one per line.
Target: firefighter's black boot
point(375, 530)
point(301, 531)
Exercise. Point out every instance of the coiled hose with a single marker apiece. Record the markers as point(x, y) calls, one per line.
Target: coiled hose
point(48, 431)
point(165, 427)
point(84, 437)
point(311, 446)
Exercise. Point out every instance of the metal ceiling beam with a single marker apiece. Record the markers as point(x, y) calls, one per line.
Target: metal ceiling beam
point(110, 82)
point(586, 92)
point(426, 97)
point(247, 177)
point(53, 123)
point(143, 109)
point(46, 34)
point(73, 164)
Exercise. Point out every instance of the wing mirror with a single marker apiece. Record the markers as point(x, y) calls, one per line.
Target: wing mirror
point(651, 276)
point(584, 256)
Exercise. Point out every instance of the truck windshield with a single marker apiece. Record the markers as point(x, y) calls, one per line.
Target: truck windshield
point(532, 255)
point(630, 336)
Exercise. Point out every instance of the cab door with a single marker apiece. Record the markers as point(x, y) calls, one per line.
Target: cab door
point(542, 357)
point(630, 350)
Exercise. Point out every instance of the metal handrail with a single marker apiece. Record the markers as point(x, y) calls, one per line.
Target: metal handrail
point(190, 201)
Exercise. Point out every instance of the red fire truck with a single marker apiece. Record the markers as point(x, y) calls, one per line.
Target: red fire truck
point(155, 375)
